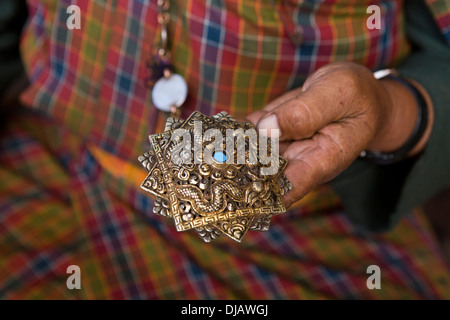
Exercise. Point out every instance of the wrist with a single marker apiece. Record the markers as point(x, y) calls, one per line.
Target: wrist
point(402, 112)
point(398, 117)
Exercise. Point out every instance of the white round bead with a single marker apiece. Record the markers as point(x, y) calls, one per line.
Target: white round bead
point(168, 92)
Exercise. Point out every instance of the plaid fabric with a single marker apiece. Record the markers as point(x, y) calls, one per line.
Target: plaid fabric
point(60, 207)
point(62, 202)
point(441, 13)
point(93, 79)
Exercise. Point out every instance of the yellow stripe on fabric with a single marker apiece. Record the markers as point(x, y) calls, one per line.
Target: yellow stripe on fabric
point(258, 55)
point(117, 167)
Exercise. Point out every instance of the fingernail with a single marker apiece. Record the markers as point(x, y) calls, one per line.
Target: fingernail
point(269, 127)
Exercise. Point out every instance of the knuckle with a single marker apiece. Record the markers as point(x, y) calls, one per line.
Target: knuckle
point(291, 117)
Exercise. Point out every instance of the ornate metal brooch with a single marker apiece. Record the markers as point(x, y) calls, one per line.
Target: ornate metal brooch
point(214, 185)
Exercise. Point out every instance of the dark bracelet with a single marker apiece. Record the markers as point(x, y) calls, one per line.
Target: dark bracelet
point(419, 129)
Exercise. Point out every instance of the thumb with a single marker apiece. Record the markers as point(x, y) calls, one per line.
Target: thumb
point(304, 115)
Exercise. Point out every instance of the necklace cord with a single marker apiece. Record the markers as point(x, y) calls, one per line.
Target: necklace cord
point(163, 21)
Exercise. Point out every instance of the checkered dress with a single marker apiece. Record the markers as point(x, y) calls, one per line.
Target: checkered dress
point(69, 176)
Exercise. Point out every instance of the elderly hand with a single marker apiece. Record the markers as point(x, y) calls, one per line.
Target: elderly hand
point(340, 111)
